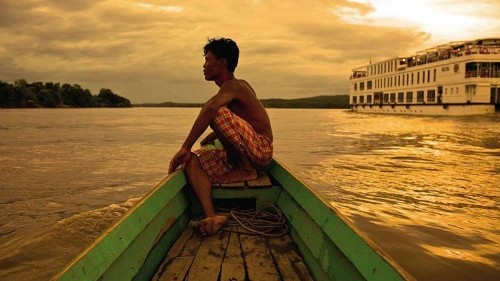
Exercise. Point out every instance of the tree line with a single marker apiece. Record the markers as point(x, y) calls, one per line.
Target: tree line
point(38, 94)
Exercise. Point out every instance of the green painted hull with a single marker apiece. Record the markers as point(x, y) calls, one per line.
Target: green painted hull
point(133, 247)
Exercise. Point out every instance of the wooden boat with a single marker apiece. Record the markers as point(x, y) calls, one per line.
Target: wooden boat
point(153, 240)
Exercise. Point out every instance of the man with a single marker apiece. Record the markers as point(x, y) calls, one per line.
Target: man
point(240, 122)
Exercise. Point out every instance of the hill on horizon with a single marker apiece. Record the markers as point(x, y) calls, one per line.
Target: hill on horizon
point(324, 101)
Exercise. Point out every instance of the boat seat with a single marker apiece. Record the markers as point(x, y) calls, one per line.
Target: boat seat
point(247, 195)
point(262, 181)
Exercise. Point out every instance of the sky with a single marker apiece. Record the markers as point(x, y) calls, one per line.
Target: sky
point(151, 51)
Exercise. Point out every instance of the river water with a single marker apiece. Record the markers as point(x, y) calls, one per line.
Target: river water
point(425, 189)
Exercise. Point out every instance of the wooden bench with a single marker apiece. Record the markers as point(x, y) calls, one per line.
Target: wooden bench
point(255, 193)
point(262, 181)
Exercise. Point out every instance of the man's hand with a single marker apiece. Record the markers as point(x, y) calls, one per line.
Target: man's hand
point(181, 157)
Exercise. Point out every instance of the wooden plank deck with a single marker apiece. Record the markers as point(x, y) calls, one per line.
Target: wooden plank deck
point(231, 255)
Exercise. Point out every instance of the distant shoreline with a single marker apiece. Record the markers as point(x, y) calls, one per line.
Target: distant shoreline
point(22, 94)
point(338, 101)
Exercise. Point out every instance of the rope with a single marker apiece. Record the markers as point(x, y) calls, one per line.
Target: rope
point(268, 221)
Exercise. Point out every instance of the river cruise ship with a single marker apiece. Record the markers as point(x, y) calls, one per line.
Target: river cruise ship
point(458, 78)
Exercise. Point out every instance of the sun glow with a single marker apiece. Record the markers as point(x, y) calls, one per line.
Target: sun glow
point(442, 19)
point(170, 9)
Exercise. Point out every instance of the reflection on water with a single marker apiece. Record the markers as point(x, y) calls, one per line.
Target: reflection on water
point(423, 188)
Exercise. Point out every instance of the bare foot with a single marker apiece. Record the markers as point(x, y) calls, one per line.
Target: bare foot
point(210, 225)
point(238, 176)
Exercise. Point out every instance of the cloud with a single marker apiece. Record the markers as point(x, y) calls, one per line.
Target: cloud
point(151, 50)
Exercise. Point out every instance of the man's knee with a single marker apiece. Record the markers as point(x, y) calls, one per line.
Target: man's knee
point(221, 117)
point(192, 163)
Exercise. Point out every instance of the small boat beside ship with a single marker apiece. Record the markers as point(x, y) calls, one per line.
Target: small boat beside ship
point(458, 78)
point(154, 240)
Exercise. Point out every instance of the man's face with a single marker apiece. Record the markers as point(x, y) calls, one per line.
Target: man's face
point(212, 67)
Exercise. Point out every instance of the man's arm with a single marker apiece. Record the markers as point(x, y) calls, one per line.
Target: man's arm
point(209, 139)
point(205, 117)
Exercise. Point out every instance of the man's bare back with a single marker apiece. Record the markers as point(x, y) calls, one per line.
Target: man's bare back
point(247, 106)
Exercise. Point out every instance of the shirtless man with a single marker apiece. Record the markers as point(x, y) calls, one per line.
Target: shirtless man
point(240, 122)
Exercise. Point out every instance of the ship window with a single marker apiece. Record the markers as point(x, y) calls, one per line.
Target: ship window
point(431, 96)
point(420, 96)
point(484, 68)
point(401, 97)
point(471, 69)
point(495, 69)
point(409, 96)
point(393, 97)
point(369, 99)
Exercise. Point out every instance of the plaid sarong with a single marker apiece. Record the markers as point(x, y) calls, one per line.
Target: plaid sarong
point(258, 148)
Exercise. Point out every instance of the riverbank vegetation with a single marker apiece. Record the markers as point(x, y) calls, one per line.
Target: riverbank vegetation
point(22, 94)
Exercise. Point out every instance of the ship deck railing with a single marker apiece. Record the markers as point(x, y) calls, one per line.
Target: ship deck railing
point(482, 74)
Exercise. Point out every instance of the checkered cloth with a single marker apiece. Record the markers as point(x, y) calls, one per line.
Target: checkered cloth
point(258, 148)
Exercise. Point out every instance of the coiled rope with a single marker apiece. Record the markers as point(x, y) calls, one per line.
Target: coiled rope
point(268, 221)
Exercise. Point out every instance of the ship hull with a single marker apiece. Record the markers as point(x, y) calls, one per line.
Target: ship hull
point(424, 109)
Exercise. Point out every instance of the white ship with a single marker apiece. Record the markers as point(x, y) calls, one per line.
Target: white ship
point(459, 78)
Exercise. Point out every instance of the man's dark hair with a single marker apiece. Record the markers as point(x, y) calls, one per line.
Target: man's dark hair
point(223, 48)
